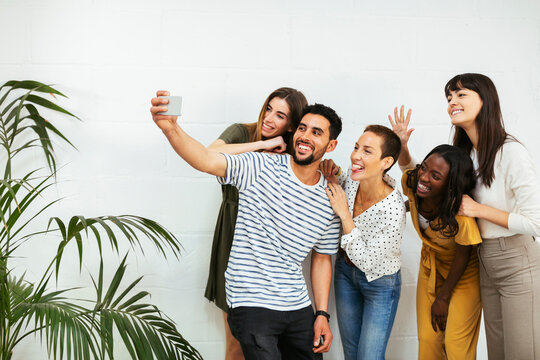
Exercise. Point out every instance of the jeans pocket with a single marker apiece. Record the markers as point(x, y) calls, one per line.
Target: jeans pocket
point(231, 322)
point(392, 280)
point(235, 318)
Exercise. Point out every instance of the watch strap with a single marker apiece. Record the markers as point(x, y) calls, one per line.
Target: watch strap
point(323, 313)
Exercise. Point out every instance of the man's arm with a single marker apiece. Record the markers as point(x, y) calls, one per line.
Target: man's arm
point(195, 154)
point(192, 151)
point(321, 278)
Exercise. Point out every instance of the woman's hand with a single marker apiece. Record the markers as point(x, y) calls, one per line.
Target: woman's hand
point(275, 145)
point(338, 200)
point(468, 207)
point(439, 314)
point(400, 124)
point(329, 170)
point(471, 208)
point(164, 122)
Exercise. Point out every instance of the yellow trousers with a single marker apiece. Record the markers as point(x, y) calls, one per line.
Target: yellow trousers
point(459, 340)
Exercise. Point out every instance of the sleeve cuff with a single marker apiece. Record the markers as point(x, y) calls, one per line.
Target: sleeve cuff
point(410, 165)
point(519, 224)
point(345, 239)
point(225, 180)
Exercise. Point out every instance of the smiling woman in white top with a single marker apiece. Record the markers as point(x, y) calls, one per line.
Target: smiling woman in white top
point(367, 278)
point(507, 206)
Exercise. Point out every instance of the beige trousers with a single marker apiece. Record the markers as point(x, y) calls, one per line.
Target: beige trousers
point(510, 291)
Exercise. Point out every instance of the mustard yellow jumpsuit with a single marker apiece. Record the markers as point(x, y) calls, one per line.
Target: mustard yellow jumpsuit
point(458, 341)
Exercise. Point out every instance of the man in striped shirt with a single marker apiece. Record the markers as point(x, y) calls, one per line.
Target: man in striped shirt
point(283, 214)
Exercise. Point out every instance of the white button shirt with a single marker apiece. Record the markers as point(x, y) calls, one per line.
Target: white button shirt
point(374, 245)
point(515, 189)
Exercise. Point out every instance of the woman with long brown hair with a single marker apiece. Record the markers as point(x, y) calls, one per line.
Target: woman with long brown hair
point(507, 207)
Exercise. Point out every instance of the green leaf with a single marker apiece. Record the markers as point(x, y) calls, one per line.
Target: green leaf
point(32, 85)
point(48, 104)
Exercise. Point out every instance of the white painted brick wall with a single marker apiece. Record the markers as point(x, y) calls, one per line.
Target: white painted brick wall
point(360, 57)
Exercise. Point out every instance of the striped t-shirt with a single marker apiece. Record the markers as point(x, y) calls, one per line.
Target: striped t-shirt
point(279, 221)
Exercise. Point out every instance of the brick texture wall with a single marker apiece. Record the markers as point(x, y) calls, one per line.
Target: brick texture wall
point(360, 57)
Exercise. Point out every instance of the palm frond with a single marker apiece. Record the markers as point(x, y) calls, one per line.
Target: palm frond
point(9, 189)
point(22, 110)
point(130, 226)
point(71, 328)
point(66, 327)
point(145, 331)
point(29, 85)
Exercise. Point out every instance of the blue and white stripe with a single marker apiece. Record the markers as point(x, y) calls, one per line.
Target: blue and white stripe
point(279, 221)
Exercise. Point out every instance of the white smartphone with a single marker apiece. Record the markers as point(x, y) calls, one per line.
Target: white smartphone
point(174, 107)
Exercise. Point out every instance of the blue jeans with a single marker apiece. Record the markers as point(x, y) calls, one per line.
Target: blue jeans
point(365, 310)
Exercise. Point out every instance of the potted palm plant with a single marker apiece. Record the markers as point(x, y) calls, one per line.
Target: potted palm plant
point(70, 326)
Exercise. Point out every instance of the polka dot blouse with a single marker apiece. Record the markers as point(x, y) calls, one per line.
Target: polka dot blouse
point(374, 245)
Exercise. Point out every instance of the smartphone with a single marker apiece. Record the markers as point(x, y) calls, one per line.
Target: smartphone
point(174, 107)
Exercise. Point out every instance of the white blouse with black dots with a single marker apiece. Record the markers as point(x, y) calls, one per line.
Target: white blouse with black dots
point(374, 245)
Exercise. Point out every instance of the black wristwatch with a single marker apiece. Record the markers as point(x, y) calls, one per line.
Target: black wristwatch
point(323, 313)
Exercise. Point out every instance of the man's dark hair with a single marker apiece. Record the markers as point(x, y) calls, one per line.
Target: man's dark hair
point(329, 114)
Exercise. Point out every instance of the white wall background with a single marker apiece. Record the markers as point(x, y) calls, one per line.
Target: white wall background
point(360, 57)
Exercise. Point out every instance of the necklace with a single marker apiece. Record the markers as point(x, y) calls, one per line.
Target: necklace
point(359, 196)
point(360, 202)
